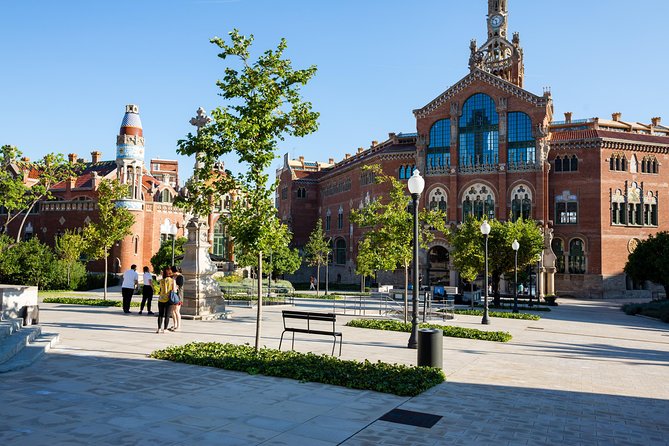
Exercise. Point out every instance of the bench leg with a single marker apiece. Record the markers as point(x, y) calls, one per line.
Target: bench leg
point(341, 339)
point(334, 344)
point(281, 339)
point(293, 346)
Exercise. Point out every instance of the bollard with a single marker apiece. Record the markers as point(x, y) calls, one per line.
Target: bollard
point(430, 347)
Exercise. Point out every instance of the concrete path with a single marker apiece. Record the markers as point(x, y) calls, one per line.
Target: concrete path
point(584, 374)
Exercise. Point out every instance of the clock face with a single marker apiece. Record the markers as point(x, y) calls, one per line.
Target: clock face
point(496, 20)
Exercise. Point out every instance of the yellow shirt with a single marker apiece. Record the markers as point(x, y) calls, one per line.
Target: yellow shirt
point(166, 285)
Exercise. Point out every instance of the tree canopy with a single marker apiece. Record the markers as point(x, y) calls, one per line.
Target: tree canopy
point(650, 260)
point(317, 251)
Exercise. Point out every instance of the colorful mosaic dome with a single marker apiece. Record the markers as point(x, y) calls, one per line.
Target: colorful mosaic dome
point(131, 124)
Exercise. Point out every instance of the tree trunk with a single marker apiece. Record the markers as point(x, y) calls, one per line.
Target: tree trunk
point(406, 292)
point(23, 221)
point(318, 279)
point(362, 283)
point(259, 316)
point(105, 287)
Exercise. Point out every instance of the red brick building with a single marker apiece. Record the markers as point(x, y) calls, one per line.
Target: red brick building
point(488, 147)
point(153, 189)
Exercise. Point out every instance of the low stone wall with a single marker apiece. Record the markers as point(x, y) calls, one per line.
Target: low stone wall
point(15, 299)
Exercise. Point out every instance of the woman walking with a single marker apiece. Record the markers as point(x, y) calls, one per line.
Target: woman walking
point(176, 308)
point(167, 286)
point(147, 291)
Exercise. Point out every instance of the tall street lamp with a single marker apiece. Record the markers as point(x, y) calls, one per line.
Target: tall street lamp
point(515, 245)
point(485, 230)
point(416, 185)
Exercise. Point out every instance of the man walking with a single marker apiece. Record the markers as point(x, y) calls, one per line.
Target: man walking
point(130, 282)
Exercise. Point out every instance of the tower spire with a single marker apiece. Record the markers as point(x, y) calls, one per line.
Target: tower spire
point(497, 55)
point(130, 157)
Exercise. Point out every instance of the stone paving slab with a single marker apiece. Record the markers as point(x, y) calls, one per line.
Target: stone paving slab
point(584, 374)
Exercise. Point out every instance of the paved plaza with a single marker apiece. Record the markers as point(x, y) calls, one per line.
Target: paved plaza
point(585, 374)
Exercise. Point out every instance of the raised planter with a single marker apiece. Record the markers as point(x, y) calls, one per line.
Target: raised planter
point(19, 302)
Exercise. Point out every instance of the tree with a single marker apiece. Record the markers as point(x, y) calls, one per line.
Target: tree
point(317, 250)
point(13, 190)
point(163, 258)
point(263, 106)
point(52, 169)
point(469, 249)
point(391, 233)
point(467, 253)
point(650, 260)
point(27, 263)
point(113, 223)
point(69, 248)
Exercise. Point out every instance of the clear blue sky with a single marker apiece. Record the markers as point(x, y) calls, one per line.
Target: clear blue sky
point(69, 67)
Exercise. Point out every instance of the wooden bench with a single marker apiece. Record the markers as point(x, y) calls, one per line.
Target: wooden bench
point(311, 317)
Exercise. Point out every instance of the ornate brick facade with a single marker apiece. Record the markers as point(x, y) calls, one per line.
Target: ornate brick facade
point(490, 148)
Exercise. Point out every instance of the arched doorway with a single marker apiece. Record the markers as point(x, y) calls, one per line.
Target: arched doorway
point(437, 270)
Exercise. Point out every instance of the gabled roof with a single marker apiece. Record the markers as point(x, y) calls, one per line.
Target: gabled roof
point(589, 134)
point(479, 75)
point(85, 177)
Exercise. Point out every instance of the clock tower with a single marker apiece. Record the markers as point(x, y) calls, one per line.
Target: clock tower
point(497, 55)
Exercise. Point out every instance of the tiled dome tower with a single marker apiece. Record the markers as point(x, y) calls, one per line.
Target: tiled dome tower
point(130, 157)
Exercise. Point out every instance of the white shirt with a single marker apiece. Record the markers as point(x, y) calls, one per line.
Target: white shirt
point(130, 278)
point(148, 279)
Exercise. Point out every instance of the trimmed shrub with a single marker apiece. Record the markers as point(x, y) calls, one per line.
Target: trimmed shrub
point(502, 314)
point(449, 330)
point(396, 379)
point(658, 309)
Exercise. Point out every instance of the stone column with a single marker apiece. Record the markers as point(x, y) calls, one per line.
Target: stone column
point(202, 294)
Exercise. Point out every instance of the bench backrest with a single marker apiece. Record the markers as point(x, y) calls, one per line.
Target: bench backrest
point(290, 314)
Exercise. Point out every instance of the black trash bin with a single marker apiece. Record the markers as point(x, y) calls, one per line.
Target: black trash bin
point(430, 347)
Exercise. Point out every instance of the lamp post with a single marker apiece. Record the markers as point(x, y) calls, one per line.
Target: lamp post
point(416, 185)
point(485, 230)
point(515, 245)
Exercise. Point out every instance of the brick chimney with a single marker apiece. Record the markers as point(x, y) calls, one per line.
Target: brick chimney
point(656, 121)
point(25, 159)
point(95, 156)
point(331, 161)
point(567, 117)
point(616, 116)
point(347, 156)
point(72, 157)
point(375, 143)
point(301, 158)
point(361, 149)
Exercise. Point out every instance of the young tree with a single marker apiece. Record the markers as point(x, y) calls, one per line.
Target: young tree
point(13, 190)
point(391, 233)
point(469, 249)
point(467, 253)
point(317, 250)
point(264, 106)
point(113, 223)
point(69, 248)
point(163, 257)
point(650, 260)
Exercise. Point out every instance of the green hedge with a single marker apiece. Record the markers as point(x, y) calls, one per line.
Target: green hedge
point(84, 301)
point(380, 377)
point(502, 314)
point(658, 309)
point(450, 331)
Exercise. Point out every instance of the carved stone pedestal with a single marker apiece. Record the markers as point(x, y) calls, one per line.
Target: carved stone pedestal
point(202, 294)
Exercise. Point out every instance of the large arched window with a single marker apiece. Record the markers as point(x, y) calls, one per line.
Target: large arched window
point(576, 257)
point(478, 201)
point(558, 248)
point(520, 145)
point(439, 150)
point(220, 240)
point(340, 252)
point(437, 199)
point(521, 203)
point(479, 131)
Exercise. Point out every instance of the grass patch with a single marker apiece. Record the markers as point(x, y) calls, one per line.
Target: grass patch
point(450, 331)
point(502, 314)
point(658, 309)
point(330, 296)
point(83, 301)
point(397, 379)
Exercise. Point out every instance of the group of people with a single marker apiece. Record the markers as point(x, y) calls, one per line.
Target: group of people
point(172, 282)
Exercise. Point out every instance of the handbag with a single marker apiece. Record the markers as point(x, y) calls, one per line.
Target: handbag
point(174, 297)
